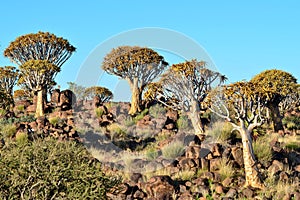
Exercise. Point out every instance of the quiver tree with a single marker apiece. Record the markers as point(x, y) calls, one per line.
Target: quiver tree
point(35, 75)
point(8, 79)
point(138, 65)
point(291, 101)
point(78, 90)
point(102, 94)
point(21, 95)
point(40, 46)
point(275, 85)
point(242, 105)
point(184, 87)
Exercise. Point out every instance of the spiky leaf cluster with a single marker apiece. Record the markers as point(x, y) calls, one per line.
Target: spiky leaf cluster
point(134, 62)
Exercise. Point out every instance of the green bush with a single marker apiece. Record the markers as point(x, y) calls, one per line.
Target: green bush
point(54, 121)
point(173, 150)
point(47, 169)
point(151, 154)
point(21, 138)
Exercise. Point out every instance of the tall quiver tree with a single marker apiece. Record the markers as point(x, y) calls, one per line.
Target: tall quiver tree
point(184, 87)
point(138, 65)
point(242, 105)
point(40, 46)
point(35, 75)
point(275, 85)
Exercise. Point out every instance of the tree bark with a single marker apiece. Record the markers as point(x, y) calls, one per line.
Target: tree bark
point(135, 98)
point(194, 116)
point(276, 117)
point(40, 104)
point(253, 177)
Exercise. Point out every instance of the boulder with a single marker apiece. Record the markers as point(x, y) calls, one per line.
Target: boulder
point(237, 154)
point(160, 187)
point(67, 99)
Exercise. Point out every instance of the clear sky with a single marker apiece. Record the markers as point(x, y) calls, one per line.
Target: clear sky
point(243, 38)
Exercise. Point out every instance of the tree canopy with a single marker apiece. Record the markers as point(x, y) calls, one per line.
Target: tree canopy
point(102, 93)
point(275, 85)
point(39, 46)
point(184, 86)
point(138, 65)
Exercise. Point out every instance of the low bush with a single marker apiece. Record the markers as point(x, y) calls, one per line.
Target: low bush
point(291, 122)
point(48, 169)
point(8, 130)
point(183, 122)
point(220, 131)
point(157, 111)
point(262, 150)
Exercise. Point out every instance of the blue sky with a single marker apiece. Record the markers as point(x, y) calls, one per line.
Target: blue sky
point(242, 38)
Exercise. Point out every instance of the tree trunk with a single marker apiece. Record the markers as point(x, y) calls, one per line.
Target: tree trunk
point(253, 177)
point(39, 104)
point(194, 115)
point(135, 98)
point(276, 117)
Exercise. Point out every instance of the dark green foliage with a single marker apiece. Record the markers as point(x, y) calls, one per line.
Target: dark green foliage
point(48, 169)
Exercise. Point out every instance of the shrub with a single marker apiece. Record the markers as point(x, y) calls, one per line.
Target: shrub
point(262, 150)
point(129, 121)
point(173, 150)
point(116, 131)
point(185, 175)
point(47, 169)
point(8, 130)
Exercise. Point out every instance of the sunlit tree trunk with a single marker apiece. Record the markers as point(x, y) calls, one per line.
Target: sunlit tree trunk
point(251, 170)
point(40, 104)
point(136, 97)
point(194, 116)
point(275, 116)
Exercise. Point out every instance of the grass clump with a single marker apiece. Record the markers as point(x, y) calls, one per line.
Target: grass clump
point(220, 131)
point(225, 168)
point(183, 122)
point(116, 130)
point(141, 115)
point(151, 153)
point(21, 138)
point(47, 169)
point(185, 175)
point(54, 121)
point(99, 112)
point(262, 150)
point(173, 150)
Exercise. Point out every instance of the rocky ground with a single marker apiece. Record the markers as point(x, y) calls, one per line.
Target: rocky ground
point(136, 148)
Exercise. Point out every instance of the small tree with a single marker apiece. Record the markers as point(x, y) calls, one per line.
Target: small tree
point(78, 90)
point(35, 75)
point(184, 87)
point(247, 105)
point(8, 79)
point(103, 94)
point(21, 95)
point(139, 66)
point(275, 85)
